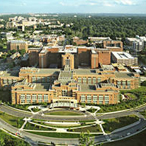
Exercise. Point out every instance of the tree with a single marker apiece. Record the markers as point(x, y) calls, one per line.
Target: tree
point(84, 139)
point(2, 142)
point(22, 52)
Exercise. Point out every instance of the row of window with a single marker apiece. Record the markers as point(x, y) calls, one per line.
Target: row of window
point(33, 101)
point(95, 102)
point(89, 80)
point(43, 79)
point(8, 81)
point(95, 98)
point(123, 82)
point(34, 97)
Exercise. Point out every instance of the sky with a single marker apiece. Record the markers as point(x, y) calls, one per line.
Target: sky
point(73, 6)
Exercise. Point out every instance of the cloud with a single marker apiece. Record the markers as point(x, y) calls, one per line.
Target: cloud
point(24, 4)
point(125, 2)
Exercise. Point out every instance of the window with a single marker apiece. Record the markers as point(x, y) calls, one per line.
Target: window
point(84, 80)
point(88, 98)
point(34, 97)
point(14, 81)
point(128, 83)
point(106, 97)
point(95, 98)
point(5, 81)
point(9, 81)
point(48, 79)
point(28, 97)
point(83, 98)
point(64, 92)
point(67, 62)
point(123, 82)
point(45, 97)
point(99, 80)
point(22, 101)
point(33, 79)
point(39, 97)
point(100, 97)
point(79, 80)
point(95, 102)
point(106, 102)
point(94, 80)
point(22, 97)
point(89, 80)
point(119, 82)
point(43, 79)
point(100, 102)
point(38, 79)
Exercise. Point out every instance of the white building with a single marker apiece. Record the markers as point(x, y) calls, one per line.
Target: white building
point(124, 58)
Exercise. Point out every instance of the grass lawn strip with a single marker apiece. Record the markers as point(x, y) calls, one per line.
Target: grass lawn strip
point(10, 140)
point(60, 135)
point(37, 127)
point(116, 123)
point(14, 121)
point(143, 113)
point(64, 113)
point(91, 128)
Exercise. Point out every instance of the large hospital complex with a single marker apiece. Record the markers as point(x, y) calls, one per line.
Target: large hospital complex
point(70, 75)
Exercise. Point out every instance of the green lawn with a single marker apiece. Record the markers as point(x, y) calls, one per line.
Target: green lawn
point(143, 113)
point(94, 128)
point(14, 121)
point(35, 127)
point(35, 109)
point(5, 96)
point(64, 113)
point(60, 135)
point(21, 107)
point(112, 124)
point(137, 140)
point(8, 140)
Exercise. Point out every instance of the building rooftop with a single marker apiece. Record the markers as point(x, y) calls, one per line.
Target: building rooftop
point(17, 42)
point(124, 75)
point(9, 73)
point(122, 55)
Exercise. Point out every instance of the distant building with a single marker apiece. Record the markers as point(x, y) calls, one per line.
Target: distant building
point(138, 43)
point(124, 58)
point(17, 45)
point(113, 45)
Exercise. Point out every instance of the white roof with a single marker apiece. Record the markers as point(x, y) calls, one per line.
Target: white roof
point(122, 55)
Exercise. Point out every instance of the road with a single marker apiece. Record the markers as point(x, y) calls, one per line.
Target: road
point(122, 113)
point(20, 113)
